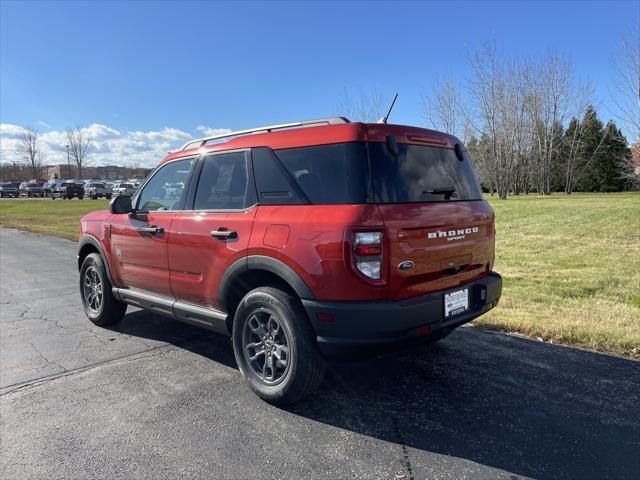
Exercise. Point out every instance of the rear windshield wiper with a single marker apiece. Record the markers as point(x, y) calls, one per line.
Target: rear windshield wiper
point(446, 191)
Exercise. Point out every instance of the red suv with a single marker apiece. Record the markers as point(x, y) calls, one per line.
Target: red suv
point(302, 241)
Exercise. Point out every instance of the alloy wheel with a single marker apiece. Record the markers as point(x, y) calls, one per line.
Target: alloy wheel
point(92, 289)
point(265, 345)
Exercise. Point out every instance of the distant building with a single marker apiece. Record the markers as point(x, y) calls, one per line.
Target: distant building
point(107, 172)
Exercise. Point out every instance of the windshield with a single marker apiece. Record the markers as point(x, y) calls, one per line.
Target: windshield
point(421, 174)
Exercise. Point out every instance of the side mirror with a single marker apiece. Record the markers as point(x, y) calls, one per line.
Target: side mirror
point(120, 204)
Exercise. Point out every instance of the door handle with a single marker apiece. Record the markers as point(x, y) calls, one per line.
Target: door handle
point(152, 230)
point(224, 234)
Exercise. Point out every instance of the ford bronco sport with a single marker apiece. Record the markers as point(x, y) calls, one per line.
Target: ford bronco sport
point(302, 242)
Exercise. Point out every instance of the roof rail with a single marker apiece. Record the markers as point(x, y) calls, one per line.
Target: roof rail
point(200, 142)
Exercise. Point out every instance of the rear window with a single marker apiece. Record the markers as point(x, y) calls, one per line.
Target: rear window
point(421, 174)
point(329, 174)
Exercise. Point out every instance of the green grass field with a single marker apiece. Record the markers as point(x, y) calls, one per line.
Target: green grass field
point(49, 217)
point(571, 265)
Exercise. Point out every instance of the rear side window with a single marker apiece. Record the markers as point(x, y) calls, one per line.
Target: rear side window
point(421, 174)
point(275, 184)
point(224, 183)
point(329, 174)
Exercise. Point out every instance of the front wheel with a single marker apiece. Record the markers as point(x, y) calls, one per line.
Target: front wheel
point(275, 346)
point(100, 306)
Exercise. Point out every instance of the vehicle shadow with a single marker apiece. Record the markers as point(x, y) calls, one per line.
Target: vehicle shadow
point(526, 407)
point(143, 324)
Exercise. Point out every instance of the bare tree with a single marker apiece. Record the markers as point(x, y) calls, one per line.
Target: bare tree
point(29, 150)
point(499, 93)
point(627, 100)
point(79, 142)
point(442, 109)
point(552, 89)
point(366, 107)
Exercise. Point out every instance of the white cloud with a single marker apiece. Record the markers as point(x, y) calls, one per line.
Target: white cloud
point(108, 145)
point(210, 132)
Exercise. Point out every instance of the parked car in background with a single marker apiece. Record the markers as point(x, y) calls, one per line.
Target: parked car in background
point(47, 188)
point(31, 189)
point(95, 190)
point(123, 188)
point(68, 190)
point(8, 189)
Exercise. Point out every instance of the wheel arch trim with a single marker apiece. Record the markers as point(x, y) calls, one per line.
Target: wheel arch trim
point(94, 242)
point(260, 263)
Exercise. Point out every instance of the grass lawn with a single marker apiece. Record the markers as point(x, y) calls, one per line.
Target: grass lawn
point(571, 270)
point(50, 217)
point(571, 265)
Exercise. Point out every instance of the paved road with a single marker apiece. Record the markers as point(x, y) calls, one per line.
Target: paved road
point(155, 399)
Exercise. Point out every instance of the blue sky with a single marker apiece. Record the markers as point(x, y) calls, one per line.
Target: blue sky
point(149, 67)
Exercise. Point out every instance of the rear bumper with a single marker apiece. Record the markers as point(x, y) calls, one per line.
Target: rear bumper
point(360, 328)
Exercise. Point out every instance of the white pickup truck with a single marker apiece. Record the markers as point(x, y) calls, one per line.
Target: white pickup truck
point(124, 188)
point(97, 190)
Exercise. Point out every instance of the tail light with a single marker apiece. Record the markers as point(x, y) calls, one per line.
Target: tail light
point(367, 253)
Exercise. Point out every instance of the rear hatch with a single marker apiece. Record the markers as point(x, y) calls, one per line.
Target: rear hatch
point(440, 230)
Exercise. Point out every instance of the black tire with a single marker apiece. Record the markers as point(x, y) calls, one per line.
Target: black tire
point(80, 198)
point(109, 311)
point(108, 196)
point(305, 367)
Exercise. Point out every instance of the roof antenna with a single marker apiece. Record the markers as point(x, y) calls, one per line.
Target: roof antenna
point(386, 117)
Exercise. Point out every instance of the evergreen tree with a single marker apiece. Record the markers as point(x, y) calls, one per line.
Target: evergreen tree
point(609, 168)
point(589, 152)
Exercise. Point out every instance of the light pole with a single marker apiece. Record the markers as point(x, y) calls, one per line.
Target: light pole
point(68, 162)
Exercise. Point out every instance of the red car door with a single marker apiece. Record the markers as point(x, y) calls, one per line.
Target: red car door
point(204, 242)
point(139, 241)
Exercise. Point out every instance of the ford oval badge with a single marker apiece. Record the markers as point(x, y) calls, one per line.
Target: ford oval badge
point(406, 265)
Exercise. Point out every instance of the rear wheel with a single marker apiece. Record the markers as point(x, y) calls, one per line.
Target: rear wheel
point(275, 346)
point(100, 306)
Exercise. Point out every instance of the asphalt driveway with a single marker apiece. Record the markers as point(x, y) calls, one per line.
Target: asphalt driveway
point(154, 398)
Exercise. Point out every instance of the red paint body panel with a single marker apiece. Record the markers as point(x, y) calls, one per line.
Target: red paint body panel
point(315, 248)
point(409, 225)
point(197, 261)
point(140, 260)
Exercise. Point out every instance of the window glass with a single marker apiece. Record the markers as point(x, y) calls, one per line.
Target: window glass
point(165, 189)
point(275, 185)
point(421, 174)
point(329, 174)
point(224, 183)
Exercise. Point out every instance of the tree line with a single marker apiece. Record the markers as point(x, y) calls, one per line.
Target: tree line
point(529, 125)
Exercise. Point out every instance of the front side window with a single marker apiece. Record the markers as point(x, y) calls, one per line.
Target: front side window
point(224, 183)
point(166, 189)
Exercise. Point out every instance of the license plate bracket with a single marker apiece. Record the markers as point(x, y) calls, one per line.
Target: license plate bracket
point(456, 302)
